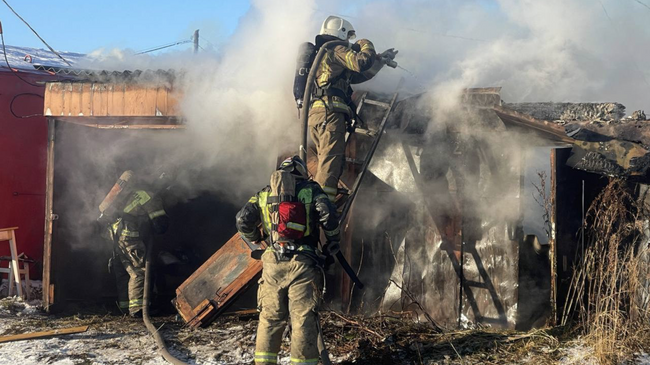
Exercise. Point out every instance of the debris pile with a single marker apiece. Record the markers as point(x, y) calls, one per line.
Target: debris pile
point(562, 113)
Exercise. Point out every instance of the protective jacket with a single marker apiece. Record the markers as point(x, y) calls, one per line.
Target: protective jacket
point(289, 288)
point(341, 67)
point(138, 212)
point(320, 211)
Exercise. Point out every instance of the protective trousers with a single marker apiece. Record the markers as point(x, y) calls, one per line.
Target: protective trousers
point(288, 289)
point(327, 130)
point(128, 267)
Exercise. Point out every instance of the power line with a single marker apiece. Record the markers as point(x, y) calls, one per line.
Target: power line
point(4, 51)
point(642, 3)
point(164, 46)
point(39, 37)
point(210, 43)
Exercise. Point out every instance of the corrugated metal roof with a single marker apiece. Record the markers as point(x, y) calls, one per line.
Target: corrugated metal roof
point(104, 76)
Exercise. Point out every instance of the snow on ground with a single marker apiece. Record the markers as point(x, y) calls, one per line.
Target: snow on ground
point(578, 353)
point(20, 57)
point(117, 339)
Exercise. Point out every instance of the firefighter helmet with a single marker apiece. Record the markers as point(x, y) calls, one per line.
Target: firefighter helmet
point(338, 27)
point(295, 165)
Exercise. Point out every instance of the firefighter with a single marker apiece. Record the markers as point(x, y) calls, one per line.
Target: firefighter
point(332, 109)
point(291, 280)
point(136, 215)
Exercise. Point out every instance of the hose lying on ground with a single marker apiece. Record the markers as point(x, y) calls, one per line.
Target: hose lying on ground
point(162, 347)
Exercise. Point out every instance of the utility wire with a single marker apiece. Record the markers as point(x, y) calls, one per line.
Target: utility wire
point(205, 39)
point(39, 37)
point(642, 3)
point(163, 47)
point(4, 52)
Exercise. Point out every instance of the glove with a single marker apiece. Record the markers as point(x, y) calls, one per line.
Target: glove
point(388, 54)
point(387, 57)
point(331, 248)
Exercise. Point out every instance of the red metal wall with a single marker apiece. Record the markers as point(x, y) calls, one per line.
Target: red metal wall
point(23, 156)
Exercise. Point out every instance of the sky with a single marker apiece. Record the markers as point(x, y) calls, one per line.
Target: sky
point(84, 26)
point(551, 50)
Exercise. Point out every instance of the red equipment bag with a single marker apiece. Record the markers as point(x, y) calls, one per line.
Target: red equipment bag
point(292, 221)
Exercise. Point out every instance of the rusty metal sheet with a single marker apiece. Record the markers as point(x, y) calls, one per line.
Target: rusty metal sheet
point(217, 283)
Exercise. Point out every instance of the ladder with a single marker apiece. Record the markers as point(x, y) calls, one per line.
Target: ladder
point(365, 163)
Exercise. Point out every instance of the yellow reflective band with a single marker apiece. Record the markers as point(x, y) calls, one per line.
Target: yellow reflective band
point(266, 353)
point(264, 208)
point(266, 357)
point(140, 197)
point(116, 225)
point(127, 233)
point(135, 303)
point(304, 361)
point(157, 213)
point(349, 61)
point(333, 232)
point(367, 46)
point(337, 104)
point(253, 199)
point(296, 226)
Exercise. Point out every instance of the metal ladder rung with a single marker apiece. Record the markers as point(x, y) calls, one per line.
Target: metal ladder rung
point(365, 132)
point(377, 103)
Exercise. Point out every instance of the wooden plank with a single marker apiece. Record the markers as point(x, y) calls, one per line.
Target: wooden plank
point(54, 93)
point(215, 285)
point(68, 96)
point(161, 101)
point(550, 129)
point(42, 334)
point(49, 198)
point(76, 92)
point(149, 103)
point(172, 104)
point(5, 233)
point(86, 101)
point(109, 99)
point(119, 91)
point(14, 263)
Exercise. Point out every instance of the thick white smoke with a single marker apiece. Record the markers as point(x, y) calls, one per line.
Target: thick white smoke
point(238, 105)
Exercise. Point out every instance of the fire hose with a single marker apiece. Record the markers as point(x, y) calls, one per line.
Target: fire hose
point(162, 347)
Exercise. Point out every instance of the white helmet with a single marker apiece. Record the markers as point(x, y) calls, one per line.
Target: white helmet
point(338, 27)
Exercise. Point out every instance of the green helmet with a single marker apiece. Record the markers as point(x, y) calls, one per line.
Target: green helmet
point(296, 166)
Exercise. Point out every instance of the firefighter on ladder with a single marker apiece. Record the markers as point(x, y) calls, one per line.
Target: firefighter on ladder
point(332, 109)
point(135, 213)
point(290, 211)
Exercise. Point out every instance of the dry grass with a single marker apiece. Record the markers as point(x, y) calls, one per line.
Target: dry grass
point(608, 279)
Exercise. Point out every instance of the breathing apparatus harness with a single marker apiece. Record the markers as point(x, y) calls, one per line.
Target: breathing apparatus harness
point(306, 62)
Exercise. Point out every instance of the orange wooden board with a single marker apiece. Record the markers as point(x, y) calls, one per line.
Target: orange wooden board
point(216, 284)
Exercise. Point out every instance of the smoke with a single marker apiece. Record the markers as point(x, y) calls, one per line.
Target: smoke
point(237, 102)
point(578, 50)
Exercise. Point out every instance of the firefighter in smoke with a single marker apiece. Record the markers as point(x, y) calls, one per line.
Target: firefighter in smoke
point(331, 110)
point(132, 212)
point(290, 211)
